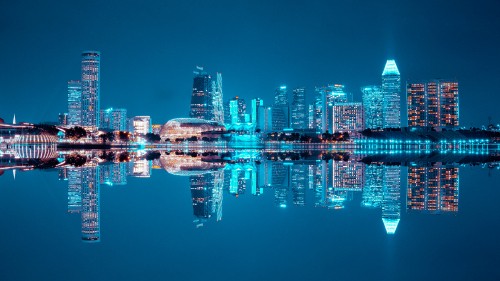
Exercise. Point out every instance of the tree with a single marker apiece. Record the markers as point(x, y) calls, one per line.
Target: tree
point(150, 137)
point(124, 136)
point(76, 133)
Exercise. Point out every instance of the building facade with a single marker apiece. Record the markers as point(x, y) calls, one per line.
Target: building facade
point(90, 81)
point(74, 103)
point(281, 110)
point(299, 109)
point(348, 117)
point(140, 125)
point(373, 107)
point(113, 119)
point(202, 104)
point(391, 89)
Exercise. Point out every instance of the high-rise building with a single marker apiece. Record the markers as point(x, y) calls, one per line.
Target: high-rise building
point(237, 110)
point(310, 117)
point(202, 103)
point(433, 104)
point(202, 195)
point(74, 190)
point(326, 97)
point(373, 186)
point(113, 174)
point(113, 119)
point(299, 110)
point(281, 110)
point(218, 99)
point(91, 96)
point(265, 119)
point(433, 189)
point(348, 175)
point(348, 117)
point(298, 181)
point(257, 103)
point(373, 99)
point(140, 125)
point(74, 103)
point(91, 227)
point(391, 90)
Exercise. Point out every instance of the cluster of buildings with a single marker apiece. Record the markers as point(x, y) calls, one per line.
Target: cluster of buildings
point(84, 103)
point(430, 105)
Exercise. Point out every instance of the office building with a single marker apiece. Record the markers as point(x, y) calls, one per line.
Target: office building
point(391, 205)
point(113, 119)
point(391, 90)
point(202, 103)
point(74, 103)
point(140, 125)
point(91, 227)
point(348, 117)
point(237, 111)
point(63, 119)
point(257, 103)
point(326, 97)
point(298, 109)
point(373, 107)
point(91, 88)
point(281, 110)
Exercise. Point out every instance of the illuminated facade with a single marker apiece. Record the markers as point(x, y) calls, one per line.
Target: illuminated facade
point(348, 175)
point(391, 89)
point(114, 174)
point(90, 81)
point(265, 119)
point(310, 117)
point(257, 103)
point(114, 119)
point(373, 107)
point(373, 186)
point(63, 119)
point(91, 227)
point(433, 189)
point(202, 103)
point(325, 98)
point(281, 110)
point(74, 103)
point(348, 117)
point(298, 181)
point(202, 196)
point(218, 99)
point(140, 168)
point(183, 128)
point(74, 190)
point(299, 110)
point(238, 111)
point(433, 104)
point(391, 205)
point(140, 125)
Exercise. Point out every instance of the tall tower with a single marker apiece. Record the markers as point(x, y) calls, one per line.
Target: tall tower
point(91, 222)
point(217, 99)
point(391, 88)
point(299, 111)
point(281, 109)
point(74, 103)
point(372, 105)
point(391, 205)
point(202, 103)
point(91, 96)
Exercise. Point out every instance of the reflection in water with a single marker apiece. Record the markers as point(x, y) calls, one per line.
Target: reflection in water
point(315, 179)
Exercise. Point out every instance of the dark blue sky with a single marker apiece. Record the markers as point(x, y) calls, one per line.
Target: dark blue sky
point(149, 49)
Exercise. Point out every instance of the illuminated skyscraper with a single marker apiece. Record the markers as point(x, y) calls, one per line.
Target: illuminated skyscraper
point(218, 99)
point(202, 195)
point(348, 175)
point(113, 119)
point(325, 99)
point(348, 117)
point(298, 181)
point(63, 119)
point(373, 187)
point(237, 110)
point(113, 174)
point(373, 107)
point(202, 103)
point(433, 104)
point(74, 190)
point(140, 125)
point(299, 110)
point(433, 189)
point(91, 228)
point(391, 205)
point(281, 110)
point(91, 96)
point(74, 103)
point(310, 117)
point(257, 103)
point(391, 89)
point(140, 168)
point(265, 119)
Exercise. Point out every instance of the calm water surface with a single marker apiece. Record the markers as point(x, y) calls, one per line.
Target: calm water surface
point(264, 220)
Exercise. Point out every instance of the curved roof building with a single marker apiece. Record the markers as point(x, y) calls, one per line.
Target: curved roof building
point(184, 165)
point(188, 127)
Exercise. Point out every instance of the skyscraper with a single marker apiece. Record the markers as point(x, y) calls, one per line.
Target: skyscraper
point(91, 226)
point(348, 117)
point(373, 107)
point(433, 104)
point(257, 103)
point(218, 99)
point(391, 205)
point(265, 119)
point(114, 119)
point(63, 119)
point(91, 61)
point(325, 98)
point(391, 88)
point(202, 103)
point(74, 103)
point(299, 110)
point(310, 117)
point(281, 110)
point(237, 110)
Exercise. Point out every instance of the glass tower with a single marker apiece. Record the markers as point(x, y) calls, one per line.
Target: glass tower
point(202, 104)
point(280, 110)
point(74, 103)
point(372, 105)
point(114, 119)
point(391, 88)
point(299, 110)
point(91, 61)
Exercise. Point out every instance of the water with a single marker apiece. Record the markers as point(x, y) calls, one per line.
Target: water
point(243, 219)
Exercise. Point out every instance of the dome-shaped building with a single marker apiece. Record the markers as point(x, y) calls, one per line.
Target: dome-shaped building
point(184, 128)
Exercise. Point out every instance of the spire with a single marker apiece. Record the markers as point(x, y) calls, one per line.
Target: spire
point(390, 68)
point(390, 225)
point(14, 120)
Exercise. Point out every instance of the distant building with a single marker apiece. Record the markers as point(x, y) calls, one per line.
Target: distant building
point(310, 117)
point(326, 97)
point(74, 103)
point(91, 61)
point(373, 99)
point(391, 90)
point(281, 110)
point(256, 104)
point(91, 221)
point(348, 117)
point(237, 110)
point(183, 128)
point(391, 205)
point(113, 119)
point(140, 125)
point(202, 104)
point(156, 128)
point(433, 189)
point(299, 109)
point(63, 119)
point(218, 99)
point(265, 119)
point(139, 168)
point(433, 104)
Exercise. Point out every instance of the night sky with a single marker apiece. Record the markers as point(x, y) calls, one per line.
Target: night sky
point(150, 48)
